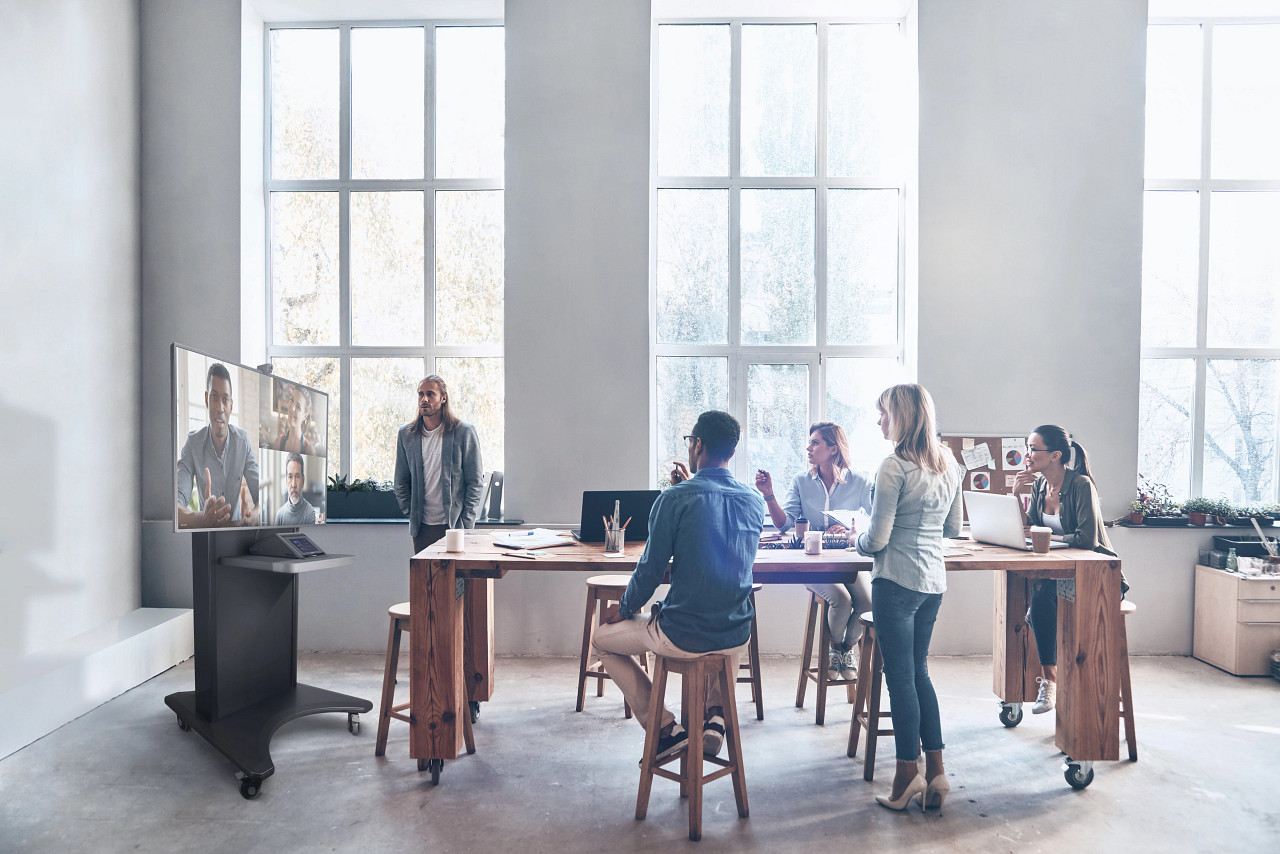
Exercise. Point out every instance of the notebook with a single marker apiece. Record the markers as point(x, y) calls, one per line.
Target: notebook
point(635, 505)
point(997, 519)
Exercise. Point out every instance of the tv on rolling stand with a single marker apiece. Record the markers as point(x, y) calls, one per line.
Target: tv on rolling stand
point(250, 455)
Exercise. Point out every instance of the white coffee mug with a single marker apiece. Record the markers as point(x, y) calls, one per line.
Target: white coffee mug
point(813, 542)
point(455, 540)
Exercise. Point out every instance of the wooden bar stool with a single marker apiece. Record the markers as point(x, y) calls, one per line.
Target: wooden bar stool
point(818, 673)
point(1126, 686)
point(866, 705)
point(601, 589)
point(389, 709)
point(752, 664)
point(694, 673)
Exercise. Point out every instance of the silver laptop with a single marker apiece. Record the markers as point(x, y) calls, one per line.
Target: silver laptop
point(997, 519)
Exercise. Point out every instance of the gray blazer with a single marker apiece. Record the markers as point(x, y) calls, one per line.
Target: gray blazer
point(460, 473)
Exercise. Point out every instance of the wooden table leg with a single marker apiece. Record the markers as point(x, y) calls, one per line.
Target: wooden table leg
point(1016, 664)
point(1088, 652)
point(437, 689)
point(478, 638)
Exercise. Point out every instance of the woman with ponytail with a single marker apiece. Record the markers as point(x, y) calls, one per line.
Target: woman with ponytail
point(1065, 500)
point(916, 503)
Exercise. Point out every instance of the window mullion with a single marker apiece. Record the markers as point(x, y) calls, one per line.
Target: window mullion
point(429, 194)
point(1197, 426)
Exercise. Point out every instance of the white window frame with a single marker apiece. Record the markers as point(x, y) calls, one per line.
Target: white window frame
point(1205, 186)
point(344, 185)
point(741, 356)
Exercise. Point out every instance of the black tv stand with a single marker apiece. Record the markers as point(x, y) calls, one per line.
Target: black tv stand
point(246, 651)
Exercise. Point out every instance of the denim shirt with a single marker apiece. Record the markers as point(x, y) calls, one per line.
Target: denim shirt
point(708, 527)
point(808, 497)
point(913, 509)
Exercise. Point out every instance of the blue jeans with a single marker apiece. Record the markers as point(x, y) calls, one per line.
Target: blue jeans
point(904, 626)
point(1044, 620)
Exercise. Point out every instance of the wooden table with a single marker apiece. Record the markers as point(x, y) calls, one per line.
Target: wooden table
point(1088, 648)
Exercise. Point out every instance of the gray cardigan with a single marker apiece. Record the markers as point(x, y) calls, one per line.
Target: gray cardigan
point(460, 473)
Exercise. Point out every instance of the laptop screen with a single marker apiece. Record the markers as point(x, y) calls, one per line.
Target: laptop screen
point(633, 504)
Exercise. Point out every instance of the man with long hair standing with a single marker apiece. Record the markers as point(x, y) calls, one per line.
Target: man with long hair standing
point(438, 471)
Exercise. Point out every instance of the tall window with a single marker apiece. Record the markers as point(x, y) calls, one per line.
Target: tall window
point(385, 225)
point(1210, 388)
point(780, 163)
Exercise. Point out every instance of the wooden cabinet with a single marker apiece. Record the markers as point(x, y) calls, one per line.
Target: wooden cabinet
point(1237, 622)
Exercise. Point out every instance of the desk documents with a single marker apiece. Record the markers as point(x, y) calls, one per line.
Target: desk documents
point(538, 538)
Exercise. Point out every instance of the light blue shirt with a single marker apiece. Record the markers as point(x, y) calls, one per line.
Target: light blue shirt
point(912, 511)
point(808, 497)
point(709, 528)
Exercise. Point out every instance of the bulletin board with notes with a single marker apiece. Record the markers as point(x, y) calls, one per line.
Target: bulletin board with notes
point(991, 462)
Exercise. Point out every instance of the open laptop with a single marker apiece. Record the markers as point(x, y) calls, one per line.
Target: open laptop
point(635, 505)
point(997, 519)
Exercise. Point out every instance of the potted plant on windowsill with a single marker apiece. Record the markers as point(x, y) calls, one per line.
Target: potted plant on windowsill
point(1137, 511)
point(1199, 510)
point(363, 498)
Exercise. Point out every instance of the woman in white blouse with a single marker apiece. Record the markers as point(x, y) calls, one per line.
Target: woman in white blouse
point(828, 484)
point(916, 505)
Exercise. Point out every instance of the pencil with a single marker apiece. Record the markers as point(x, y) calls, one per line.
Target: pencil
point(626, 523)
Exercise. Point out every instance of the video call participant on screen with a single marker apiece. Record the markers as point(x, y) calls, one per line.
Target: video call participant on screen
point(438, 472)
point(219, 460)
point(708, 525)
point(297, 405)
point(296, 510)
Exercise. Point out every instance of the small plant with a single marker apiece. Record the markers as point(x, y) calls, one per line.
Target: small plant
point(339, 483)
point(1153, 499)
point(1200, 505)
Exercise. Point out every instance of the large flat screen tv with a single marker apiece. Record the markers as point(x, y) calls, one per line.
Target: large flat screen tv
point(250, 449)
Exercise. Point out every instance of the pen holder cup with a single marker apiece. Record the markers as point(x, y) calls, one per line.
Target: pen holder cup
point(614, 540)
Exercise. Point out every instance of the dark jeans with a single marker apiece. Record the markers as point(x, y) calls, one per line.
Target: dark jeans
point(1044, 620)
point(904, 626)
point(428, 534)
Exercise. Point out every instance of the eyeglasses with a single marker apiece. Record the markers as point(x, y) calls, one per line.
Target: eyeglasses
point(1031, 448)
point(687, 438)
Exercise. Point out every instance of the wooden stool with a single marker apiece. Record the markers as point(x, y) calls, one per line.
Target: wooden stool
point(1126, 686)
point(694, 673)
point(400, 623)
point(866, 705)
point(600, 589)
point(752, 664)
point(819, 673)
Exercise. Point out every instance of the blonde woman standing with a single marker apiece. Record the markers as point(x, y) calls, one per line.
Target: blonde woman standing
point(916, 504)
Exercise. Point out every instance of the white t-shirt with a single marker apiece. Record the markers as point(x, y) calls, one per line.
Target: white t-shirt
point(433, 506)
point(1053, 521)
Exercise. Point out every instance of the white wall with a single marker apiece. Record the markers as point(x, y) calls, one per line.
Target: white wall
point(69, 306)
point(577, 231)
point(1031, 138)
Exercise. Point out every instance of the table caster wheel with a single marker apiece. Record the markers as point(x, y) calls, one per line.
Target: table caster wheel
point(1011, 714)
point(353, 723)
point(183, 725)
point(250, 787)
point(473, 706)
point(435, 766)
point(1078, 774)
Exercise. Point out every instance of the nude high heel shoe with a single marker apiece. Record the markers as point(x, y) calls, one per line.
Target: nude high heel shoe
point(935, 792)
point(915, 788)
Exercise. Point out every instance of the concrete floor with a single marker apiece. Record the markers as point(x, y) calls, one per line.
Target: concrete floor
point(125, 778)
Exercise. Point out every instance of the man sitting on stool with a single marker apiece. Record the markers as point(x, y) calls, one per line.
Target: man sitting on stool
point(708, 525)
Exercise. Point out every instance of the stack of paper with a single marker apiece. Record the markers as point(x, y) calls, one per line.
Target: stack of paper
point(537, 538)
